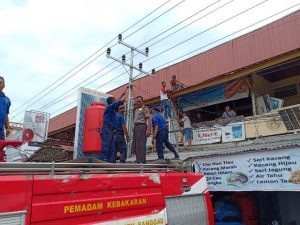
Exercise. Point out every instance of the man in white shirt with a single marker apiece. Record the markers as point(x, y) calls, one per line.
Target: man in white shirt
point(165, 100)
point(187, 129)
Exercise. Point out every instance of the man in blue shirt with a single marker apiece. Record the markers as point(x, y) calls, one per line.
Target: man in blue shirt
point(121, 130)
point(108, 129)
point(4, 111)
point(160, 134)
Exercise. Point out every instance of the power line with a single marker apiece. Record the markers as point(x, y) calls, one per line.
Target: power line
point(145, 17)
point(225, 37)
point(63, 95)
point(57, 100)
point(196, 35)
point(58, 110)
point(124, 38)
point(218, 39)
point(173, 7)
point(211, 43)
point(95, 53)
point(206, 31)
point(170, 28)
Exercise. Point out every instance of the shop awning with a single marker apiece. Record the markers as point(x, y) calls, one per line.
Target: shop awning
point(224, 92)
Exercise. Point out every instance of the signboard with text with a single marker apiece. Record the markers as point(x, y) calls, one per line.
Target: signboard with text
point(258, 171)
point(206, 136)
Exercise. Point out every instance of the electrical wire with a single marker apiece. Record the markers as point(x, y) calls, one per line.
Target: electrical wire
point(224, 37)
point(94, 54)
point(211, 43)
point(173, 7)
point(196, 20)
point(145, 91)
point(73, 102)
point(63, 95)
point(196, 35)
point(231, 35)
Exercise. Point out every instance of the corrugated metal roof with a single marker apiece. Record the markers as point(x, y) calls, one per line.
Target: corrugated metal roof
point(265, 43)
point(260, 144)
point(63, 120)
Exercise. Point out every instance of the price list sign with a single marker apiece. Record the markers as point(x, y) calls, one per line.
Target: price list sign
point(260, 171)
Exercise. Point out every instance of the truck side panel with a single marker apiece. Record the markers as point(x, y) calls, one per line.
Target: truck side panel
point(187, 199)
point(81, 199)
point(16, 195)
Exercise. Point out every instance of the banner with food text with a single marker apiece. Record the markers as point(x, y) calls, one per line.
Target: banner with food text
point(277, 170)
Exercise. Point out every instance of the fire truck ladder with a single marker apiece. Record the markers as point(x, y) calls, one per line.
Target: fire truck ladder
point(102, 168)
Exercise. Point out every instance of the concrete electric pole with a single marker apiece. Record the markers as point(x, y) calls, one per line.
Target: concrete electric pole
point(130, 106)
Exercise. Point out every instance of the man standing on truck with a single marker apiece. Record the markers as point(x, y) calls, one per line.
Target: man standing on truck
point(108, 129)
point(121, 130)
point(165, 100)
point(160, 134)
point(141, 130)
point(4, 111)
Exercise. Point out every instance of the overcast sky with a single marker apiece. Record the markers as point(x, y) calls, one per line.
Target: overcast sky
point(42, 40)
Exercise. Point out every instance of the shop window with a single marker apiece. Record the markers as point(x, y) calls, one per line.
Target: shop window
point(286, 91)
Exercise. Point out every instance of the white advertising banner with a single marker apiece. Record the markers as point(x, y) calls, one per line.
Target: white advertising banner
point(206, 136)
point(35, 126)
point(277, 170)
point(233, 132)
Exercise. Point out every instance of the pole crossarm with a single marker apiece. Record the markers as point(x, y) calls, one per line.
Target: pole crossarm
point(134, 49)
point(127, 64)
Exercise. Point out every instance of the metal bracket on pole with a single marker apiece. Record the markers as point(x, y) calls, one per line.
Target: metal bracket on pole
point(129, 107)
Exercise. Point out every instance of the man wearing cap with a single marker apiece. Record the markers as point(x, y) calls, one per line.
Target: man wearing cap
point(108, 129)
point(161, 134)
point(4, 110)
point(141, 130)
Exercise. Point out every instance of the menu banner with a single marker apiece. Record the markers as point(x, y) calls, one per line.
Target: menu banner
point(277, 170)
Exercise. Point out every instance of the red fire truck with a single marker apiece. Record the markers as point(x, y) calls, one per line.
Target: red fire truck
point(102, 194)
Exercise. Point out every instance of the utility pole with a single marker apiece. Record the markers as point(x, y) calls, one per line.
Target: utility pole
point(130, 106)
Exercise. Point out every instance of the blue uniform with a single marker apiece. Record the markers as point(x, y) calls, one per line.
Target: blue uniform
point(107, 132)
point(162, 137)
point(120, 143)
point(4, 111)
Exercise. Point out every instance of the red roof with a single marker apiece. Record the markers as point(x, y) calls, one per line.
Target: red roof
point(63, 120)
point(267, 42)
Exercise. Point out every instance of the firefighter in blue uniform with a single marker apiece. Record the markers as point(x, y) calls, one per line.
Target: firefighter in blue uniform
point(160, 134)
point(121, 132)
point(108, 130)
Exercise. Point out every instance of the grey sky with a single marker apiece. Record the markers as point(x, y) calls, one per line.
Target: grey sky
point(41, 40)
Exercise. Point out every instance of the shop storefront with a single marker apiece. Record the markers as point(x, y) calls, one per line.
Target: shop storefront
point(260, 187)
